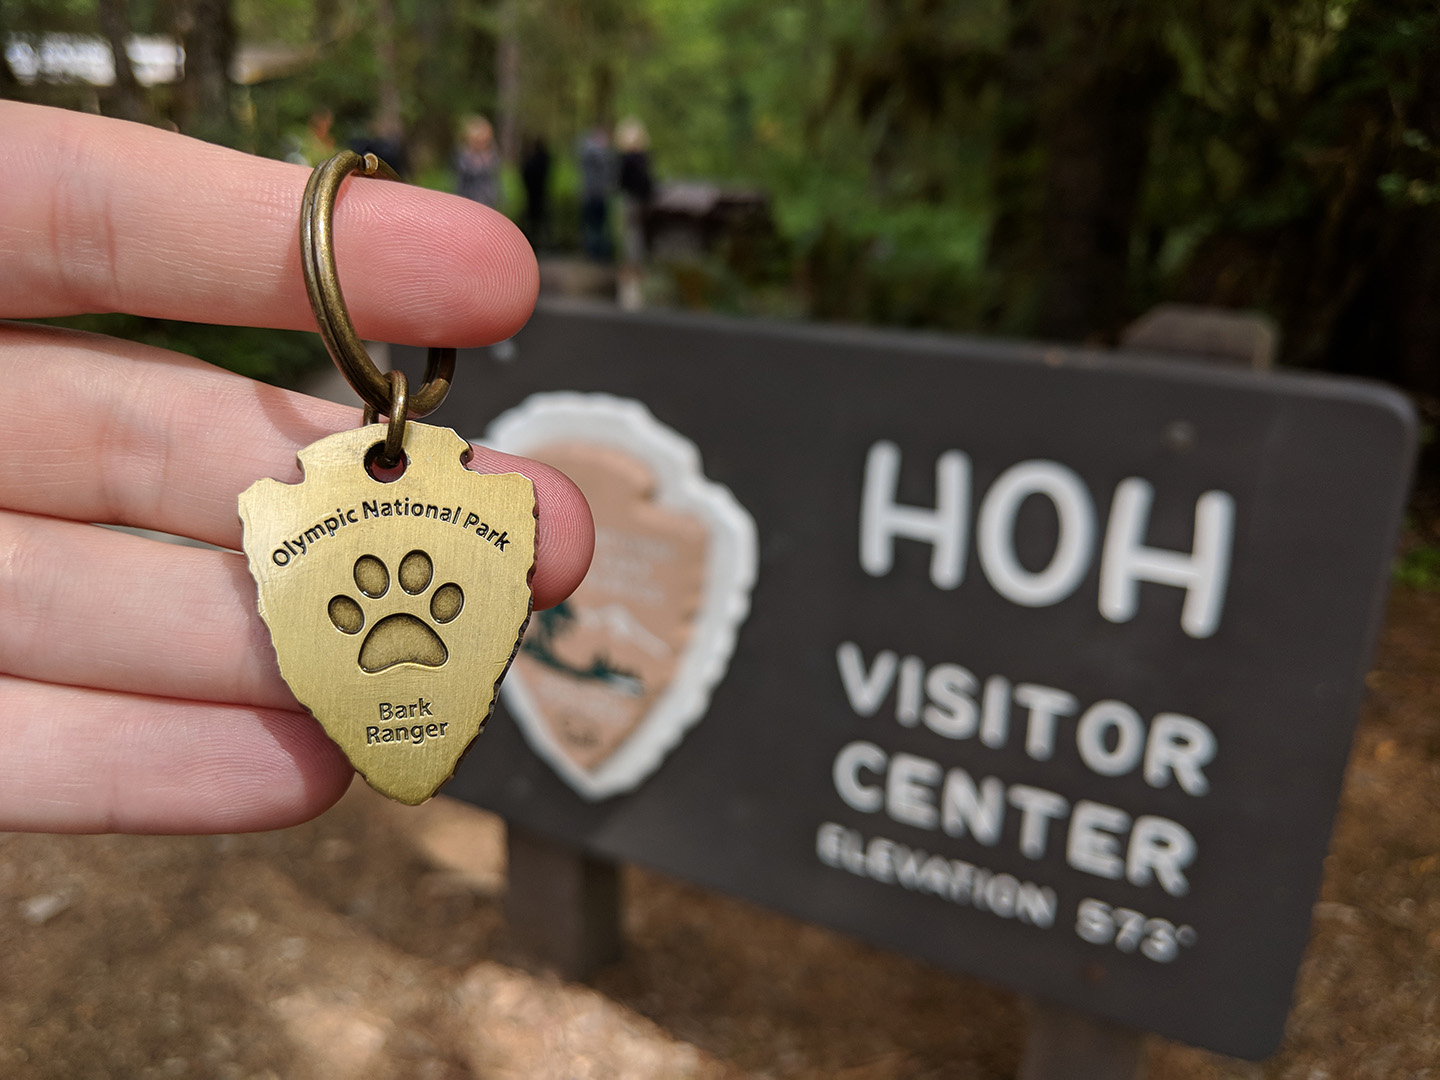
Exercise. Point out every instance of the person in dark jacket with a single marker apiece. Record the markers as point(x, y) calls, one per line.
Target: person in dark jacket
point(597, 181)
point(637, 188)
point(535, 175)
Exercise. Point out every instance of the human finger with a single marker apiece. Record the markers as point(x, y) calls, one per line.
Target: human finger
point(83, 760)
point(121, 433)
point(105, 215)
point(88, 606)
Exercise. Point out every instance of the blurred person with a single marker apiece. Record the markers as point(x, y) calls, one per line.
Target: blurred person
point(386, 140)
point(316, 141)
point(162, 710)
point(535, 175)
point(477, 164)
point(597, 181)
point(637, 188)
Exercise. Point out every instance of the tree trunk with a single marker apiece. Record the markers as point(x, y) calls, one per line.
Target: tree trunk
point(1097, 140)
point(507, 78)
point(323, 16)
point(1014, 250)
point(128, 100)
point(602, 93)
point(207, 30)
point(1071, 148)
point(387, 68)
point(10, 87)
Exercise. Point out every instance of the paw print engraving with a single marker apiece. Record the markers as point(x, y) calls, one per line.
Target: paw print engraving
point(402, 637)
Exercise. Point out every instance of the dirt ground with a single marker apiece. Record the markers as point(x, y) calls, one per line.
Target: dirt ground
point(370, 944)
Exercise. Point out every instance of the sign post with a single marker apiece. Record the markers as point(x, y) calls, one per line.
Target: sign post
point(1062, 1044)
point(1037, 664)
point(562, 905)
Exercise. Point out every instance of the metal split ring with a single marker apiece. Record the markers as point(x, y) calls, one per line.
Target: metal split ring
point(322, 283)
point(395, 432)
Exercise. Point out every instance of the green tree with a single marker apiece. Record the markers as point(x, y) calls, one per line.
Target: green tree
point(1299, 173)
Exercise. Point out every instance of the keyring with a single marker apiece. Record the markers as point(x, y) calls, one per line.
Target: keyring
point(322, 285)
point(395, 432)
point(391, 573)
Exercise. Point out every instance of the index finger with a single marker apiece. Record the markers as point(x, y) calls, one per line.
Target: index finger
point(104, 215)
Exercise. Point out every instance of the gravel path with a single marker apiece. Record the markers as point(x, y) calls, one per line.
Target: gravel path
point(370, 944)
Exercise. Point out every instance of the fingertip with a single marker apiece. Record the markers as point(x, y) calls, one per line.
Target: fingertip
point(564, 527)
point(310, 773)
point(111, 762)
point(564, 536)
point(442, 270)
point(517, 271)
point(271, 770)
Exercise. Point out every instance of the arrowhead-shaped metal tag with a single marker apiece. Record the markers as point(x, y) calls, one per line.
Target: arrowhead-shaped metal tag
point(395, 607)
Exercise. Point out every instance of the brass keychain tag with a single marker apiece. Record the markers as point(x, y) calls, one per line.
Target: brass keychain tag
point(395, 582)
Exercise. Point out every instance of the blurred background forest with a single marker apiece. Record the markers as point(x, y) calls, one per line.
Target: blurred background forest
point(1039, 168)
point(1024, 167)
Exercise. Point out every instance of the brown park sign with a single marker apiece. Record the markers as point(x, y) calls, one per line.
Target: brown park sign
point(1038, 664)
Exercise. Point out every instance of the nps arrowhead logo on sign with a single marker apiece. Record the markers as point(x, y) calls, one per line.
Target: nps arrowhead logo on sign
point(607, 683)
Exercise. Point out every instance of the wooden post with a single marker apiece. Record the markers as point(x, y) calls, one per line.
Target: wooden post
point(563, 906)
point(1195, 332)
point(1061, 1044)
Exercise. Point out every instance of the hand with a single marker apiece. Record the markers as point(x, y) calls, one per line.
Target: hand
point(139, 690)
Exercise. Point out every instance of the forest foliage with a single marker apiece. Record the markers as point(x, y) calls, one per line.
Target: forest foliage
point(1035, 167)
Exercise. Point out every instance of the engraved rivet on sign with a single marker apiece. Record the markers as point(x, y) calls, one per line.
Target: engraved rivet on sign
point(394, 580)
